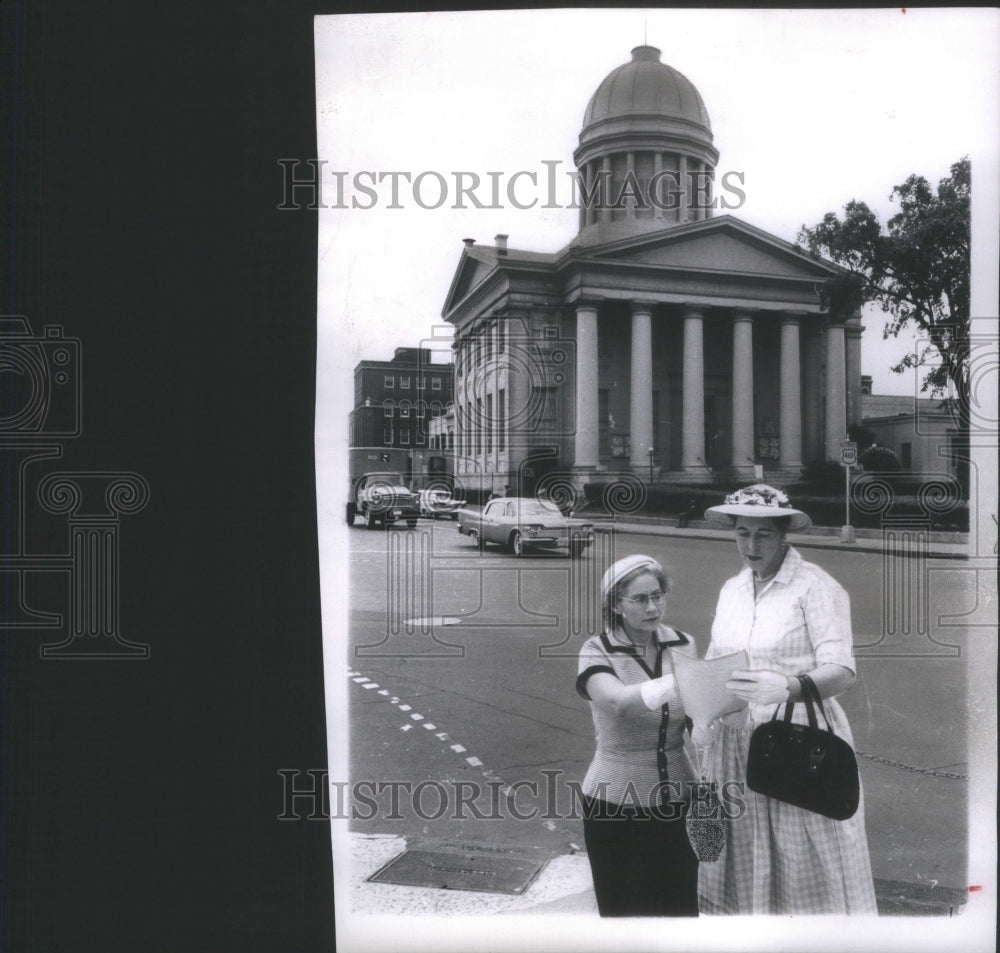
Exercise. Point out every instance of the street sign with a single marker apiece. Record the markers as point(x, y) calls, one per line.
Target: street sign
point(848, 454)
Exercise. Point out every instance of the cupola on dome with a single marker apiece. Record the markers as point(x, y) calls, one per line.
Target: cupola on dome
point(645, 86)
point(644, 128)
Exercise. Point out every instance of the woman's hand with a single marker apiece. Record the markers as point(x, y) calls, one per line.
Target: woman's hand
point(760, 686)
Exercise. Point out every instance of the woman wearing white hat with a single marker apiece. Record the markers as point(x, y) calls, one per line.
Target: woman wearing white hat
point(636, 789)
point(792, 618)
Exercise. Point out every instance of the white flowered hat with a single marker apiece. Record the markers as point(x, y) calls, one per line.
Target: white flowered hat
point(760, 501)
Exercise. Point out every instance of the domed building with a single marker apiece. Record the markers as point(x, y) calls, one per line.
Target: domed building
point(666, 341)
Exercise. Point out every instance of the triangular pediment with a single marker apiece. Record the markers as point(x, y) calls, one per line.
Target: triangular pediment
point(470, 272)
point(719, 245)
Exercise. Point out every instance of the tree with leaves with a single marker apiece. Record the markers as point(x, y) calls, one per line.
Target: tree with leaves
point(916, 269)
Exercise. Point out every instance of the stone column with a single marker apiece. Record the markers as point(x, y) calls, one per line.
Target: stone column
point(852, 333)
point(655, 197)
point(813, 397)
point(743, 420)
point(641, 385)
point(790, 428)
point(586, 437)
point(604, 203)
point(699, 212)
point(836, 403)
point(693, 390)
point(629, 177)
point(684, 186)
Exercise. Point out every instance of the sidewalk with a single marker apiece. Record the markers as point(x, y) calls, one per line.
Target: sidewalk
point(563, 886)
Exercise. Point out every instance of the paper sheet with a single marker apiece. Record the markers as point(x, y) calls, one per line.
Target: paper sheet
point(702, 684)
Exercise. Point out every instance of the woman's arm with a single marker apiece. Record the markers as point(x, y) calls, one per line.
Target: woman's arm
point(628, 701)
point(766, 687)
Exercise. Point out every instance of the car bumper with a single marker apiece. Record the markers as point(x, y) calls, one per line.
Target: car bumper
point(557, 542)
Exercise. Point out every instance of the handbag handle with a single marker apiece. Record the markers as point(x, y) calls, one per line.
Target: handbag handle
point(809, 688)
point(809, 693)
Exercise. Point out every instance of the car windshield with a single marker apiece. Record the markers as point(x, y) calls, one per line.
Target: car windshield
point(381, 479)
point(539, 508)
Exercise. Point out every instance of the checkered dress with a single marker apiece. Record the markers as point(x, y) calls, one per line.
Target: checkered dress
point(780, 859)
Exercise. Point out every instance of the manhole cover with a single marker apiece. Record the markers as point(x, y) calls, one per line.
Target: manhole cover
point(460, 870)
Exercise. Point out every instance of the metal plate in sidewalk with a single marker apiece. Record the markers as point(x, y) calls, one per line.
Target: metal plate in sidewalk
point(468, 869)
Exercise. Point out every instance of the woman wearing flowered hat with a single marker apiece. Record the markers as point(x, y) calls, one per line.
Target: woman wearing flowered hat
point(637, 786)
point(792, 618)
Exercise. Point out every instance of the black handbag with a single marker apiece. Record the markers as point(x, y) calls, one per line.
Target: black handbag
point(803, 764)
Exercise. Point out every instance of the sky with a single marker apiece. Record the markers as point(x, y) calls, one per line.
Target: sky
point(813, 108)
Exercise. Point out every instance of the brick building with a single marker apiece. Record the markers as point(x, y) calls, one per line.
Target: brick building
point(395, 400)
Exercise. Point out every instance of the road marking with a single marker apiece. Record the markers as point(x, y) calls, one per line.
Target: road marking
point(471, 760)
point(431, 621)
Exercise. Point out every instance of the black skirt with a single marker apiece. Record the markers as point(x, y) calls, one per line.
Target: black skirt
point(641, 861)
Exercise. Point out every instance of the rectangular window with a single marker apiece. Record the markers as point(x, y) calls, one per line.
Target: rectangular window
point(387, 409)
point(548, 418)
point(404, 435)
point(603, 424)
point(404, 383)
point(421, 409)
point(489, 423)
point(404, 411)
point(389, 382)
point(435, 383)
point(421, 382)
point(479, 426)
point(387, 436)
point(501, 420)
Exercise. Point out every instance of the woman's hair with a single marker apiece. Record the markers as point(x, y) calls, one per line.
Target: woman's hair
point(781, 523)
point(611, 614)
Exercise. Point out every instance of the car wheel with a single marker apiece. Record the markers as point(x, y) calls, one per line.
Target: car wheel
point(517, 544)
point(474, 539)
point(351, 513)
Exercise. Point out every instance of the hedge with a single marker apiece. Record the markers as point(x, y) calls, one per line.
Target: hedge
point(872, 503)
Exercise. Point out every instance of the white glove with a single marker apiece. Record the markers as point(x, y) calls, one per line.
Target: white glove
point(656, 691)
point(761, 686)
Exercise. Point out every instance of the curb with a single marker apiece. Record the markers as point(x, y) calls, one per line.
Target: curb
point(564, 886)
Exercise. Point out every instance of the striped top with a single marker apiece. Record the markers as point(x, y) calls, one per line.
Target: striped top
point(640, 760)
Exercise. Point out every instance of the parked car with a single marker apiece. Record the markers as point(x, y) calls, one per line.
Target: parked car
point(524, 523)
point(381, 498)
point(437, 502)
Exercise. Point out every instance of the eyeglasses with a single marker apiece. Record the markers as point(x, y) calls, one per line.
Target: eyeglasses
point(646, 598)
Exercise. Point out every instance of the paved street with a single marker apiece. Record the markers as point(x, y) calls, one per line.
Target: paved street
point(462, 669)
